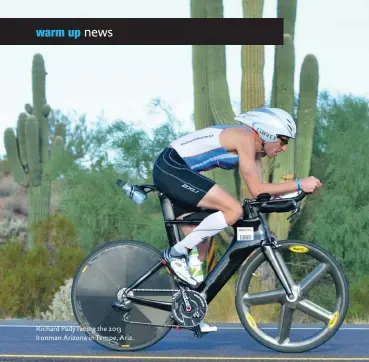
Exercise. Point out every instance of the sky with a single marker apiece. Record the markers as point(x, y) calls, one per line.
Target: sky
point(121, 80)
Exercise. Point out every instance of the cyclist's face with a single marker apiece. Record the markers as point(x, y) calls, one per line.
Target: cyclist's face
point(273, 148)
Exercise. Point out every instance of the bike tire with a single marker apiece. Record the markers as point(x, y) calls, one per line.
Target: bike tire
point(341, 304)
point(108, 268)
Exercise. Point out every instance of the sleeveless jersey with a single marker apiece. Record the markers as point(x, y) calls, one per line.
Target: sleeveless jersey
point(202, 151)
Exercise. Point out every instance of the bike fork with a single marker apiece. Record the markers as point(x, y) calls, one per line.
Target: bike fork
point(281, 270)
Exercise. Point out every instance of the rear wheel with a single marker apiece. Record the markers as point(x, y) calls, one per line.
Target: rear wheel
point(321, 303)
point(99, 282)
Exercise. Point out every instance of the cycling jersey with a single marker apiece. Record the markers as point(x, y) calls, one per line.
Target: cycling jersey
point(201, 150)
point(177, 169)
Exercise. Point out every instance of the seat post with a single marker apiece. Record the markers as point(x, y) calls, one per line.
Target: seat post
point(168, 213)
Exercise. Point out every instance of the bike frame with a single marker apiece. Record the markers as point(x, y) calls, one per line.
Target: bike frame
point(237, 252)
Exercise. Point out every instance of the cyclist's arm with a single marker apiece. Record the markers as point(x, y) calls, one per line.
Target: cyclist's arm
point(258, 165)
point(246, 150)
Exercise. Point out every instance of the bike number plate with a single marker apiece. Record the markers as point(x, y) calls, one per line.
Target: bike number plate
point(245, 233)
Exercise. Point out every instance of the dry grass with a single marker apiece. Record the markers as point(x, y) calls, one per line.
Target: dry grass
point(222, 308)
point(356, 320)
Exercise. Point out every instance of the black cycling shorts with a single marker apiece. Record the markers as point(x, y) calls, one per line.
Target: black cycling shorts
point(183, 185)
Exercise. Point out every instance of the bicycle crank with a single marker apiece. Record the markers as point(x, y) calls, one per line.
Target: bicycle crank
point(189, 307)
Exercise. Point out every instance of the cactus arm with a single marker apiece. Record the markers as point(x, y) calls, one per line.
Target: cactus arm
point(60, 130)
point(52, 168)
point(21, 133)
point(29, 109)
point(11, 146)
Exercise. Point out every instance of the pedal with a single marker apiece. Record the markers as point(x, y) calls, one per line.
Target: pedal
point(197, 332)
point(181, 283)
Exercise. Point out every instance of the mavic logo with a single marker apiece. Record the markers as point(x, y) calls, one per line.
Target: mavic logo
point(190, 188)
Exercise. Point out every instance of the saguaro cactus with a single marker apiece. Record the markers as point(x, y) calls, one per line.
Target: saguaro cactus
point(309, 80)
point(284, 164)
point(28, 150)
point(252, 82)
point(211, 95)
point(218, 92)
point(287, 10)
point(252, 62)
point(203, 116)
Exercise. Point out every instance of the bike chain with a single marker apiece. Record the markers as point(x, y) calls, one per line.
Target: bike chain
point(196, 329)
point(153, 324)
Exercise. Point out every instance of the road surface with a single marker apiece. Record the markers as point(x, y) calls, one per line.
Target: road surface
point(24, 340)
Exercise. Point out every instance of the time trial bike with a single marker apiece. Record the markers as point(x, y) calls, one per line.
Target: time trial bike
point(126, 298)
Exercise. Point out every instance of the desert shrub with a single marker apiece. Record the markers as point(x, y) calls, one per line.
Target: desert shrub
point(12, 228)
point(61, 306)
point(31, 277)
point(93, 201)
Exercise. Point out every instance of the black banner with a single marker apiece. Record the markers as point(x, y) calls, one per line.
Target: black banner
point(141, 31)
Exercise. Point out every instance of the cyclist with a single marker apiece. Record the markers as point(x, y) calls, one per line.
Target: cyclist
point(257, 133)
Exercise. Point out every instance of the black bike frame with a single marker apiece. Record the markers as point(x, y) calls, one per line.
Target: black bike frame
point(229, 263)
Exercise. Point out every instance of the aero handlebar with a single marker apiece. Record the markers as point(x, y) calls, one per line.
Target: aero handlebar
point(265, 205)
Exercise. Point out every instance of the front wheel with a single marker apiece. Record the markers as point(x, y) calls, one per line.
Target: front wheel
point(99, 282)
point(320, 304)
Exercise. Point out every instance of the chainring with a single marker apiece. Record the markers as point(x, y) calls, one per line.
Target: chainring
point(189, 308)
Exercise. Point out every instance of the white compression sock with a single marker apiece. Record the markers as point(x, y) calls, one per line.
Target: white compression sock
point(211, 225)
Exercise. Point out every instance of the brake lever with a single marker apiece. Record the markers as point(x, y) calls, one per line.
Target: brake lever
point(296, 213)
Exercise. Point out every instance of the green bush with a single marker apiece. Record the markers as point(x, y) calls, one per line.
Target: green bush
point(30, 278)
point(93, 201)
point(359, 302)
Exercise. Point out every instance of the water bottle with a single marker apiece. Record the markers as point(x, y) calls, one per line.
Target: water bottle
point(133, 192)
point(195, 265)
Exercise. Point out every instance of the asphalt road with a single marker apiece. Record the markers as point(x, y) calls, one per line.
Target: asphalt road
point(20, 340)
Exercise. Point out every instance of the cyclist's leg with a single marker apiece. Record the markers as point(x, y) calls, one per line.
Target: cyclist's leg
point(203, 246)
point(230, 210)
point(173, 177)
point(186, 229)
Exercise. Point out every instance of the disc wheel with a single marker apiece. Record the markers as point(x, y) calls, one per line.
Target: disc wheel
point(317, 310)
point(100, 280)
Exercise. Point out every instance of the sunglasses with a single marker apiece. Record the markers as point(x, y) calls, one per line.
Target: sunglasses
point(284, 141)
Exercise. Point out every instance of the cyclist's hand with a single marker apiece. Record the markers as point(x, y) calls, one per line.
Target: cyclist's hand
point(310, 184)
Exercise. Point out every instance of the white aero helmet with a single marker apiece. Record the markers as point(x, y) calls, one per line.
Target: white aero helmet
point(269, 123)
